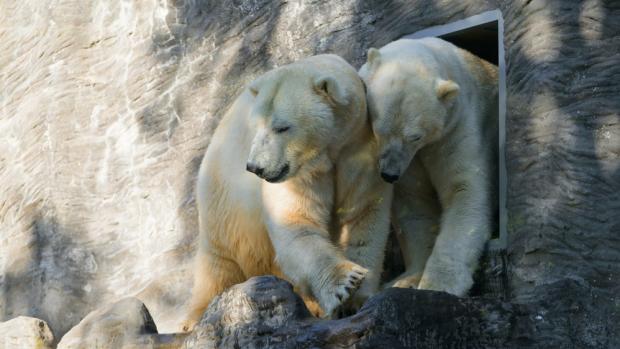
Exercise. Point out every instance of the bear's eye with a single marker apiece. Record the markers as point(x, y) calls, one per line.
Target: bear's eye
point(281, 129)
point(414, 138)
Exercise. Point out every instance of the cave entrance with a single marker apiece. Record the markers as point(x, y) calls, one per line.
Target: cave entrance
point(483, 35)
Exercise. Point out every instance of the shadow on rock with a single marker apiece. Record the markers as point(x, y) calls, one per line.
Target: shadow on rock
point(55, 278)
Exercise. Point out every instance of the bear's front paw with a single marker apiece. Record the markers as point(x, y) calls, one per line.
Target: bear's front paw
point(346, 279)
point(411, 281)
point(447, 278)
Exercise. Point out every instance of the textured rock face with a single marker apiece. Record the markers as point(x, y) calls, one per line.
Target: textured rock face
point(563, 144)
point(248, 314)
point(25, 332)
point(106, 108)
point(263, 312)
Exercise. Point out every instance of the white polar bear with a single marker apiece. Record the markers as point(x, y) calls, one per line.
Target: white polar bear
point(434, 112)
point(289, 186)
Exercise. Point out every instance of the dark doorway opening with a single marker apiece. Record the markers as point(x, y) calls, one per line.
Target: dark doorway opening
point(481, 40)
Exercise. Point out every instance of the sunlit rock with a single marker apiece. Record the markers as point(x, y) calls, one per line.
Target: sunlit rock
point(25, 332)
point(112, 326)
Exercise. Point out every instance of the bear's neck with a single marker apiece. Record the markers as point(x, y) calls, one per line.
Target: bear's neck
point(359, 141)
point(319, 166)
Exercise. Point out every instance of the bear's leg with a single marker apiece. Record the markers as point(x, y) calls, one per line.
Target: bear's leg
point(415, 214)
point(465, 228)
point(212, 275)
point(297, 217)
point(416, 236)
point(308, 257)
point(364, 240)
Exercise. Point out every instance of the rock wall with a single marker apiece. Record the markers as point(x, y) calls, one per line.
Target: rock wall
point(107, 107)
point(563, 144)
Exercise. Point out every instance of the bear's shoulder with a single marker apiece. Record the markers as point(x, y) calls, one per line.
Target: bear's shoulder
point(485, 72)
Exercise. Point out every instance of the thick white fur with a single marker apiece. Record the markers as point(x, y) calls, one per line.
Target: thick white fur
point(324, 224)
point(434, 112)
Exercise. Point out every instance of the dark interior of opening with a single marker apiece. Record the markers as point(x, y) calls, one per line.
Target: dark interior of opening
point(480, 40)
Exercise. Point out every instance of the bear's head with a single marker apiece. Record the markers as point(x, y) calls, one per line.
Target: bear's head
point(302, 115)
point(408, 106)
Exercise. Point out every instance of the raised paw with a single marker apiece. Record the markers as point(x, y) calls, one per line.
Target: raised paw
point(346, 279)
point(368, 288)
point(351, 282)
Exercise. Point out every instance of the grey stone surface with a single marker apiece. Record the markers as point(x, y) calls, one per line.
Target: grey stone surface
point(563, 142)
point(25, 332)
point(107, 107)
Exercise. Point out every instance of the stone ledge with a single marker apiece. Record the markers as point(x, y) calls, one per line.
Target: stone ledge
point(264, 312)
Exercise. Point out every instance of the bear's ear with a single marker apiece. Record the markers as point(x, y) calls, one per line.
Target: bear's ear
point(329, 87)
point(373, 57)
point(446, 90)
point(253, 87)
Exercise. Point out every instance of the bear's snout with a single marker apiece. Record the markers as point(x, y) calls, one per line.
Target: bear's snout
point(390, 165)
point(390, 178)
point(268, 175)
point(250, 167)
point(279, 176)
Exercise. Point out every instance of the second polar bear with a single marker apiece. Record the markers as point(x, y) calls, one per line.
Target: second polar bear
point(289, 186)
point(434, 112)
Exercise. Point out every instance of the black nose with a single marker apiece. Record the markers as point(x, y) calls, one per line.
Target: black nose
point(390, 178)
point(254, 169)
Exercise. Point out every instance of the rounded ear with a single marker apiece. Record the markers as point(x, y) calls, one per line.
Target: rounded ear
point(328, 86)
point(446, 90)
point(253, 87)
point(373, 57)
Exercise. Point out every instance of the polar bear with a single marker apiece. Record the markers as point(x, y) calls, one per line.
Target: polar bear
point(289, 186)
point(434, 112)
